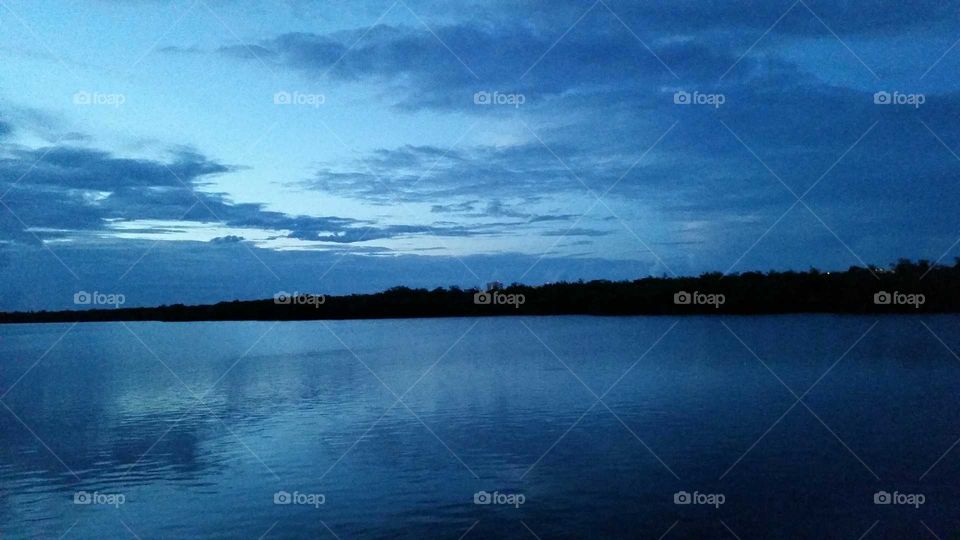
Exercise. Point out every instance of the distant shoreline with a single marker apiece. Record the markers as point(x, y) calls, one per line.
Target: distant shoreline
point(904, 288)
point(83, 320)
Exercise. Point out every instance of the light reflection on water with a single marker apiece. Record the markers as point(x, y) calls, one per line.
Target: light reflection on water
point(200, 425)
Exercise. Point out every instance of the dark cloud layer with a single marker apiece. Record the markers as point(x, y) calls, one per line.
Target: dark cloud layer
point(69, 192)
point(684, 16)
point(506, 59)
point(62, 192)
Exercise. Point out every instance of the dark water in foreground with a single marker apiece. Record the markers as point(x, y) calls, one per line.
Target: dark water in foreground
point(193, 430)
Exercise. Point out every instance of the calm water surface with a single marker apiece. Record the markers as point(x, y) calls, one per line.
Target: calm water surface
point(593, 424)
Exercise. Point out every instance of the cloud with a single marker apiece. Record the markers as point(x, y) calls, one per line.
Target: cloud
point(75, 193)
point(454, 208)
point(716, 182)
point(506, 58)
point(630, 47)
point(65, 192)
point(577, 231)
point(430, 174)
point(229, 239)
point(869, 17)
point(394, 231)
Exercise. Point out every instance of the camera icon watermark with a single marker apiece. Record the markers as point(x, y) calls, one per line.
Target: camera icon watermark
point(881, 98)
point(708, 499)
point(299, 98)
point(84, 298)
point(682, 97)
point(697, 298)
point(498, 298)
point(305, 499)
point(915, 500)
point(897, 98)
point(897, 298)
point(299, 299)
point(506, 499)
point(97, 498)
point(496, 98)
point(85, 98)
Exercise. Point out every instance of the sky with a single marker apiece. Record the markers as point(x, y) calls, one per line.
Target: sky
point(204, 150)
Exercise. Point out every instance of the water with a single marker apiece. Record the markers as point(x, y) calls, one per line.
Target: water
point(196, 427)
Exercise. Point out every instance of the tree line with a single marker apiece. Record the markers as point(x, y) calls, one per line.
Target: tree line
point(903, 287)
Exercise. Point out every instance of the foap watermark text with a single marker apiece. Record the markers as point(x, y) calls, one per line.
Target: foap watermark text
point(84, 298)
point(498, 298)
point(506, 499)
point(304, 499)
point(299, 299)
point(897, 298)
point(682, 97)
point(85, 98)
point(906, 499)
point(899, 98)
point(708, 499)
point(498, 98)
point(697, 298)
point(299, 98)
point(97, 498)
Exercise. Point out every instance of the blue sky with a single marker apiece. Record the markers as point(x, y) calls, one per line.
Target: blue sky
point(196, 151)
